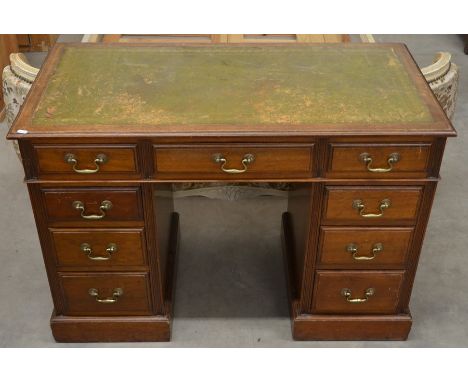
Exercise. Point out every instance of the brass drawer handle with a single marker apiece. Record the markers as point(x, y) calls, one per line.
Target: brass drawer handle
point(353, 250)
point(346, 292)
point(72, 160)
point(248, 159)
point(111, 249)
point(117, 292)
point(106, 205)
point(367, 159)
point(360, 206)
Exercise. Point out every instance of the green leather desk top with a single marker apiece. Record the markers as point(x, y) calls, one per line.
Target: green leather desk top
point(230, 85)
point(300, 89)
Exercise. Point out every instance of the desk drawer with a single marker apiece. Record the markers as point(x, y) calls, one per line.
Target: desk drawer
point(99, 248)
point(369, 160)
point(232, 161)
point(93, 206)
point(87, 161)
point(101, 294)
point(371, 205)
point(357, 292)
point(363, 248)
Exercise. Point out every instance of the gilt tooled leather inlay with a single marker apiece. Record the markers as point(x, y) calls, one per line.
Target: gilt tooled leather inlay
point(232, 85)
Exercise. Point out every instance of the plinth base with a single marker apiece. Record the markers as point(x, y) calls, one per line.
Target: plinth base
point(110, 329)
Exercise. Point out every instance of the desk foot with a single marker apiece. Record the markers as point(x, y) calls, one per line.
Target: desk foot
point(309, 327)
point(110, 329)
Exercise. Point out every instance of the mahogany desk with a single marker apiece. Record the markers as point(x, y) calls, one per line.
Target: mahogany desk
point(354, 129)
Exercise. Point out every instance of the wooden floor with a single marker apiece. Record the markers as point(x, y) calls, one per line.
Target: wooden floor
point(224, 38)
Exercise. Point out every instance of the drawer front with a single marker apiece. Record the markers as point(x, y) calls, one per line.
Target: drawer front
point(357, 292)
point(363, 248)
point(371, 205)
point(87, 161)
point(214, 162)
point(90, 206)
point(378, 160)
point(98, 248)
point(101, 294)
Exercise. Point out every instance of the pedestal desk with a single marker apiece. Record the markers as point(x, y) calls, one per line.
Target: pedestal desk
point(353, 128)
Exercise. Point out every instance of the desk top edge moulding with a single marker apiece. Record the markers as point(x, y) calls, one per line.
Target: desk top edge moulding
point(311, 89)
point(353, 131)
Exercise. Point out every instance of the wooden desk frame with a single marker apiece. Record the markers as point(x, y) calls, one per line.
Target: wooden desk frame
point(308, 213)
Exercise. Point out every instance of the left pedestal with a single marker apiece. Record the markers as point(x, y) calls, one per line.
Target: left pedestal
point(110, 253)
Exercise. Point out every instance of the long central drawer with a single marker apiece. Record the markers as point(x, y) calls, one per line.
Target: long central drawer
point(233, 161)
